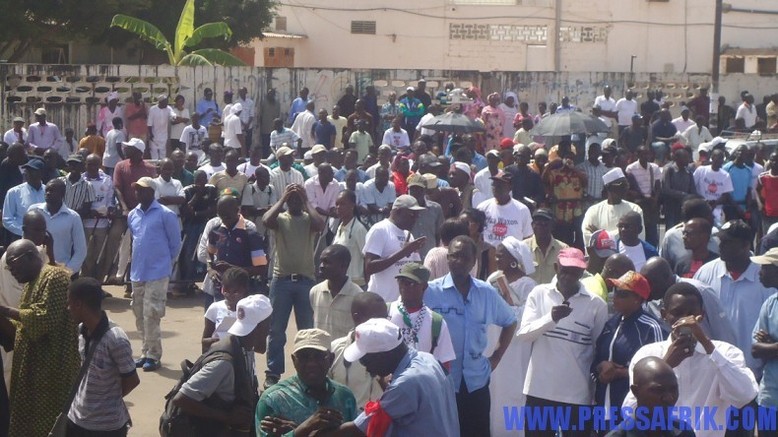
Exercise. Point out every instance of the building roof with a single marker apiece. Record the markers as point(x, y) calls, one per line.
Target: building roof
point(738, 51)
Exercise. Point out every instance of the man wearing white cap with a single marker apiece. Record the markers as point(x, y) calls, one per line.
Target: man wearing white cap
point(233, 130)
point(606, 214)
point(44, 135)
point(309, 401)
point(389, 245)
point(108, 113)
point(156, 241)
point(418, 402)
point(227, 366)
point(160, 117)
point(17, 134)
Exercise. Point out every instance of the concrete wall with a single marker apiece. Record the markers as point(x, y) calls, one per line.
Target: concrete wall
point(595, 35)
point(73, 94)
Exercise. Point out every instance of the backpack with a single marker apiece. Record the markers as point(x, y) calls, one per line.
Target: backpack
point(175, 423)
point(437, 325)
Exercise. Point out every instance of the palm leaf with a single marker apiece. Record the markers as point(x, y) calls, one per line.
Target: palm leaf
point(143, 29)
point(214, 57)
point(185, 26)
point(192, 60)
point(209, 30)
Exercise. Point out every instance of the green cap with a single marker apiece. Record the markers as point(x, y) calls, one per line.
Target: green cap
point(415, 272)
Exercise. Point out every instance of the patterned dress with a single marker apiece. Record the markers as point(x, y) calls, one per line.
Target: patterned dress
point(494, 120)
point(46, 360)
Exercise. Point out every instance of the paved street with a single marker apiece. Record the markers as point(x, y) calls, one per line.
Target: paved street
point(181, 332)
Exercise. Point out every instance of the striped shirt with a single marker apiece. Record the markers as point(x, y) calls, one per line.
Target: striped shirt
point(279, 179)
point(277, 139)
point(78, 193)
point(98, 405)
point(594, 175)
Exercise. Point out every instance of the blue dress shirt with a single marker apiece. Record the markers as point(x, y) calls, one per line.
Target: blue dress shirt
point(17, 201)
point(298, 106)
point(741, 299)
point(206, 119)
point(420, 400)
point(67, 231)
point(467, 321)
point(156, 240)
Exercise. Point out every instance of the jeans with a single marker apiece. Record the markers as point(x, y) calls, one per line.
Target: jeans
point(148, 304)
point(660, 151)
point(545, 428)
point(191, 269)
point(286, 294)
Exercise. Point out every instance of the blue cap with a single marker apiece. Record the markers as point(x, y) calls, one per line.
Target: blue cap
point(35, 164)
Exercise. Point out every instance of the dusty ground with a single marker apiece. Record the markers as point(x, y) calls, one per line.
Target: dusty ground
point(181, 331)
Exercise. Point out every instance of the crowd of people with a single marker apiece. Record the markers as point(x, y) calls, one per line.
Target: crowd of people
point(436, 278)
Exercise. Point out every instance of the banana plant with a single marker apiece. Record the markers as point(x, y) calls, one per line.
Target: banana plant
point(186, 37)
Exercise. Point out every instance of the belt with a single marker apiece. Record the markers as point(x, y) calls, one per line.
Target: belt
point(295, 277)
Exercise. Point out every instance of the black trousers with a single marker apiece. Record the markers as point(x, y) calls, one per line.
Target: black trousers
point(546, 429)
point(473, 409)
point(76, 431)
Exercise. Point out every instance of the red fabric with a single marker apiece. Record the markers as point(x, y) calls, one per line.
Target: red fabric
point(379, 420)
point(769, 194)
point(400, 183)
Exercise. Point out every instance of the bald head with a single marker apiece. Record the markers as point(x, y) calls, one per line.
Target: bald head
point(23, 261)
point(660, 276)
point(34, 226)
point(654, 383)
point(617, 265)
point(366, 306)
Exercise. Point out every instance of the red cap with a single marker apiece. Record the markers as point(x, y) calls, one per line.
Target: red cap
point(678, 146)
point(571, 257)
point(634, 282)
point(506, 143)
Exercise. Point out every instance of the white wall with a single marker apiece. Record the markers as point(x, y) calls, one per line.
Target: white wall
point(672, 36)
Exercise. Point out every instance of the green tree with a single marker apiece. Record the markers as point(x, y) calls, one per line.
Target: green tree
point(25, 24)
point(186, 37)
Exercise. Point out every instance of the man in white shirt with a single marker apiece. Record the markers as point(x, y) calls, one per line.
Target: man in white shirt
point(421, 328)
point(562, 320)
point(697, 134)
point(715, 185)
point(340, 124)
point(389, 245)
point(17, 134)
point(194, 137)
point(711, 374)
point(158, 122)
point(113, 146)
point(396, 136)
point(432, 112)
point(247, 116)
point(646, 177)
point(606, 214)
point(45, 135)
point(168, 191)
point(96, 228)
point(747, 111)
point(504, 215)
point(233, 130)
point(683, 122)
point(303, 127)
point(625, 108)
point(606, 103)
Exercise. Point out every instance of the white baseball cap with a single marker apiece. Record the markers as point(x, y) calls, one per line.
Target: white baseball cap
point(250, 311)
point(135, 142)
point(371, 337)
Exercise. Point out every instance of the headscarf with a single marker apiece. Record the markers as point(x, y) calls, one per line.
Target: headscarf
point(521, 253)
point(515, 99)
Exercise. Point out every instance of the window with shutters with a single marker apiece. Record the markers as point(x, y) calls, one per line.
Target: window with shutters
point(736, 64)
point(280, 24)
point(766, 65)
point(363, 27)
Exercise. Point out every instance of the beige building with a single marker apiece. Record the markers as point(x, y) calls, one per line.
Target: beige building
point(661, 36)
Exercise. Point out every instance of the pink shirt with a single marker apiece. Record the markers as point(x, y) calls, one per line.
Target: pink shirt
point(318, 198)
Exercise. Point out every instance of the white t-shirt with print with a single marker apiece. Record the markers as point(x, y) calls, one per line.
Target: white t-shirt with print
point(711, 185)
point(444, 351)
point(385, 239)
point(634, 253)
point(222, 317)
point(511, 219)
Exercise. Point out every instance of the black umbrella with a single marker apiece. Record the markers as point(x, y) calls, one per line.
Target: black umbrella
point(454, 122)
point(569, 123)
